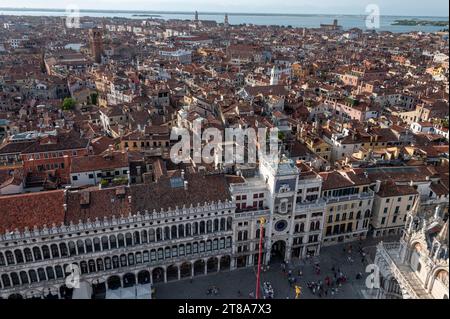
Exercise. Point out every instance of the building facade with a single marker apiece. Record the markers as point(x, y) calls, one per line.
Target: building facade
point(417, 266)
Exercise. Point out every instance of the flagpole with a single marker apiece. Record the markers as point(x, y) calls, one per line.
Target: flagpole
point(261, 234)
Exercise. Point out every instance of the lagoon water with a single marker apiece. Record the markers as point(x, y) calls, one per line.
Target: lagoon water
point(294, 20)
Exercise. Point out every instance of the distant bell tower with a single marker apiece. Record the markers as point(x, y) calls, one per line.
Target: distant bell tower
point(196, 16)
point(274, 76)
point(226, 20)
point(96, 44)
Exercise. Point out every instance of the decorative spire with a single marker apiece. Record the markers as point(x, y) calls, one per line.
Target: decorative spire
point(443, 234)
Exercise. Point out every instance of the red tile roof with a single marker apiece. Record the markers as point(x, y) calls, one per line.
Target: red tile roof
point(29, 210)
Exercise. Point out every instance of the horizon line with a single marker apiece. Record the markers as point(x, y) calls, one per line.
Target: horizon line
point(211, 12)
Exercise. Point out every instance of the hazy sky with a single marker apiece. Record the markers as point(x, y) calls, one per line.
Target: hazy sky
point(387, 7)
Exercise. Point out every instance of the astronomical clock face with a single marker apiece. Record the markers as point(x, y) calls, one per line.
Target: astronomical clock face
point(281, 225)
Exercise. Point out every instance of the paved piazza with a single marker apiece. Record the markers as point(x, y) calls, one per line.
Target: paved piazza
point(244, 280)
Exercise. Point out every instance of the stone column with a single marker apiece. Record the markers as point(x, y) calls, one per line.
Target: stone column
point(151, 276)
point(206, 266)
point(192, 270)
point(232, 263)
point(250, 260)
point(179, 273)
point(218, 264)
point(165, 274)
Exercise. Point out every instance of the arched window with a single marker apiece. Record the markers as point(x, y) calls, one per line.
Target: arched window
point(302, 227)
point(108, 263)
point(137, 238)
point(24, 278)
point(156, 255)
point(2, 260)
point(112, 242)
point(174, 234)
point(216, 225)
point(209, 225)
point(151, 235)
point(129, 239)
point(245, 235)
point(50, 273)
point(100, 265)
point(80, 246)
point(229, 242)
point(167, 252)
point(72, 249)
point(138, 258)
point(63, 250)
point(91, 265)
point(97, 245)
point(188, 230)
point(121, 240)
point(202, 227)
point(37, 253)
point(88, 244)
point(6, 281)
point(19, 256)
point(158, 234)
point(174, 251)
point(208, 245)
point(33, 276)
point(195, 230)
point(59, 272)
point(55, 250)
point(181, 230)
point(41, 274)
point(317, 225)
point(160, 254)
point(46, 252)
point(222, 224)
point(115, 262)
point(201, 247)
point(146, 256)
point(239, 236)
point(28, 255)
point(144, 237)
point(130, 259)
point(9, 258)
point(15, 279)
point(84, 267)
point(123, 260)
point(181, 250)
point(166, 233)
point(312, 226)
point(229, 223)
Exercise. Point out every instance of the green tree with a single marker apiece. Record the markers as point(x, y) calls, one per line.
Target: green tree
point(68, 104)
